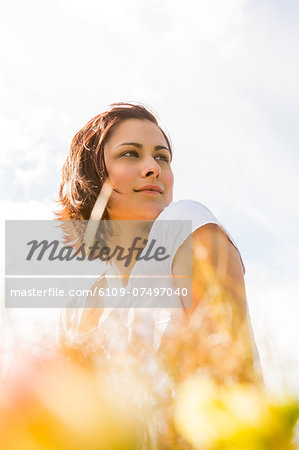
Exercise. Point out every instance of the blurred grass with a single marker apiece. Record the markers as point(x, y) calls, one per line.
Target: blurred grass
point(200, 390)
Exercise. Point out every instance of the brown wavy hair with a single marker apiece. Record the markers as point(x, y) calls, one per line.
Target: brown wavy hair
point(84, 170)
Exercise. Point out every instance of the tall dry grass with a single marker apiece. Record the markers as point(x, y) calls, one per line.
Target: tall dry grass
point(200, 390)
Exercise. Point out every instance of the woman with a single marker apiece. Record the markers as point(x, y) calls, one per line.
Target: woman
point(126, 146)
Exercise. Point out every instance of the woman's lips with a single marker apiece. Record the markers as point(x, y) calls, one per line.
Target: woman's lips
point(149, 191)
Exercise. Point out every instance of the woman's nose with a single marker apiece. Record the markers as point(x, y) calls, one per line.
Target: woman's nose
point(151, 168)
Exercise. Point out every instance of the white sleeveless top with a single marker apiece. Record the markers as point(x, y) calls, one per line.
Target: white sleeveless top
point(188, 216)
point(151, 319)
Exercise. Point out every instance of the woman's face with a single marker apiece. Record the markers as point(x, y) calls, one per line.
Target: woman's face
point(137, 159)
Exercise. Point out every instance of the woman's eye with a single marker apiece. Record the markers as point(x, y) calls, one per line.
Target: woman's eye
point(134, 153)
point(162, 158)
point(130, 153)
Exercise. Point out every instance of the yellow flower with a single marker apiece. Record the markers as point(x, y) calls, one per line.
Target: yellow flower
point(240, 416)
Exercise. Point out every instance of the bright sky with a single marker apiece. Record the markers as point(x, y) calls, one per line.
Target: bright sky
point(223, 77)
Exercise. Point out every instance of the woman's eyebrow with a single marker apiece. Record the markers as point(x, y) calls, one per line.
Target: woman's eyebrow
point(135, 144)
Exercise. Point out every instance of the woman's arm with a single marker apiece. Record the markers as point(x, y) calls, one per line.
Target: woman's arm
point(93, 308)
point(215, 264)
point(219, 307)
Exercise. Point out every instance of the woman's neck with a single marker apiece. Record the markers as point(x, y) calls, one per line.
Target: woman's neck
point(126, 242)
